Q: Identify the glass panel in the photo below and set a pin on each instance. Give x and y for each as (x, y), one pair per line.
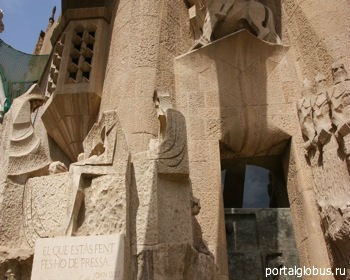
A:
(256, 183)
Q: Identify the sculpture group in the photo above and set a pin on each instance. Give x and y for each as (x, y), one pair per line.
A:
(326, 111)
(324, 117)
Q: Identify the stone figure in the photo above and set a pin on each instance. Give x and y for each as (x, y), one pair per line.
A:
(26, 153)
(26, 160)
(340, 106)
(332, 181)
(170, 149)
(196, 13)
(225, 17)
(99, 159)
(9, 275)
(1, 23)
(195, 206)
(304, 107)
(321, 112)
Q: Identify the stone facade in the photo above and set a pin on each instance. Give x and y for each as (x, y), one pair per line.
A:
(146, 119)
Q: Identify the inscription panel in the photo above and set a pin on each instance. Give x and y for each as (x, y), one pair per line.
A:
(79, 258)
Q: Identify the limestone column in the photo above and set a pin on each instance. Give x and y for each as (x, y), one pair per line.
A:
(146, 36)
(318, 31)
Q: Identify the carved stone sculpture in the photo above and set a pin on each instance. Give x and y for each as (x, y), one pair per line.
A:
(167, 155)
(26, 161)
(340, 105)
(170, 149)
(99, 161)
(321, 115)
(26, 154)
(332, 181)
(225, 17)
(305, 113)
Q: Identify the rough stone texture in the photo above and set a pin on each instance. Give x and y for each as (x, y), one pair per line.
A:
(103, 156)
(181, 261)
(146, 37)
(24, 149)
(212, 20)
(214, 92)
(315, 43)
(305, 115)
(11, 230)
(327, 156)
(44, 198)
(104, 210)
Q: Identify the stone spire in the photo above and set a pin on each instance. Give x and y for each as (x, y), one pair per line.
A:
(39, 49)
(1, 23)
(52, 17)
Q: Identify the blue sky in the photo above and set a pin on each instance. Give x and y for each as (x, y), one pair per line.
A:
(23, 20)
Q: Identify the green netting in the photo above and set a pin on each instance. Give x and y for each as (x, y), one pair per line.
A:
(18, 72)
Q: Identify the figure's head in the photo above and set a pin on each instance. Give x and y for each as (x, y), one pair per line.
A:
(161, 101)
(307, 88)
(195, 206)
(339, 73)
(320, 80)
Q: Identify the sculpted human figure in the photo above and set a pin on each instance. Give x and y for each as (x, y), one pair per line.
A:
(227, 16)
(305, 112)
(26, 153)
(321, 112)
(170, 149)
(340, 99)
(340, 105)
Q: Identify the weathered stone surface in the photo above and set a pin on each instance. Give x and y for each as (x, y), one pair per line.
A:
(305, 114)
(340, 107)
(11, 216)
(88, 257)
(44, 198)
(105, 207)
(106, 154)
(25, 151)
(124, 66)
(328, 161)
(181, 261)
(212, 20)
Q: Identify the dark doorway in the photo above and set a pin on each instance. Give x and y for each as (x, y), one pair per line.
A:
(259, 230)
(257, 182)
